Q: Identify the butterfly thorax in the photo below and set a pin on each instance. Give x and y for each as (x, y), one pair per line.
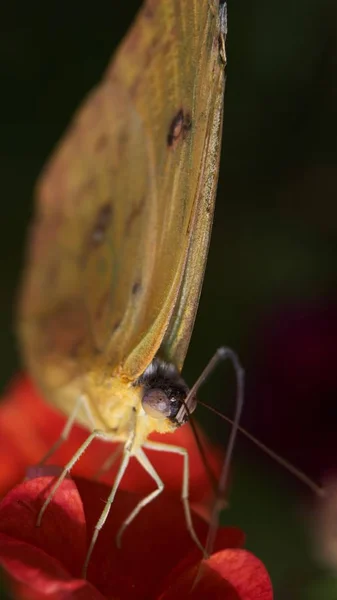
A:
(154, 402)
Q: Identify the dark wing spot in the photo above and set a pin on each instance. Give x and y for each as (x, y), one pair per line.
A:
(175, 128)
(136, 288)
(180, 125)
(101, 225)
(116, 326)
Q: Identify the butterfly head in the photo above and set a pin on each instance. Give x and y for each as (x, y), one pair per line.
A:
(165, 393)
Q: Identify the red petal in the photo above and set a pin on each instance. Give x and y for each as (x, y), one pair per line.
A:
(41, 575)
(227, 575)
(211, 585)
(62, 533)
(158, 537)
(245, 572)
(152, 545)
(227, 537)
(28, 428)
(155, 542)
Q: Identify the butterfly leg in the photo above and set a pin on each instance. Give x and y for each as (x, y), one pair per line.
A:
(106, 510)
(185, 492)
(148, 467)
(95, 434)
(80, 403)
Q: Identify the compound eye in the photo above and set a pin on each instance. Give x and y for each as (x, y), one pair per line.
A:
(156, 404)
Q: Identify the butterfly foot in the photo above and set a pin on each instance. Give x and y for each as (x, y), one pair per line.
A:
(39, 517)
(119, 538)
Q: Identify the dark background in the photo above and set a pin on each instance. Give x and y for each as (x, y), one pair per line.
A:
(270, 287)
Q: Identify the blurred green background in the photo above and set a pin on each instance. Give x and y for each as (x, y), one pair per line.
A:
(274, 242)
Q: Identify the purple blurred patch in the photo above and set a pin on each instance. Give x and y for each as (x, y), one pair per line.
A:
(43, 471)
(291, 399)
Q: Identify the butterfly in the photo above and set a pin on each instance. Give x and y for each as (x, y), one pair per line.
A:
(119, 243)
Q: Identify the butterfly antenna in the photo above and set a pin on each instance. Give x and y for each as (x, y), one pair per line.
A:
(201, 449)
(300, 475)
(221, 354)
(224, 354)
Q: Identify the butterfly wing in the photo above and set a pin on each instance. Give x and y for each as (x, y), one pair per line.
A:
(124, 208)
(177, 338)
(188, 78)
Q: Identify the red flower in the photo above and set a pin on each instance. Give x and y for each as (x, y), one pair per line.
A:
(157, 559)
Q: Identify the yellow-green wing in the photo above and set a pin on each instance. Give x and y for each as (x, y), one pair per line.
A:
(188, 79)
(178, 335)
(123, 203)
